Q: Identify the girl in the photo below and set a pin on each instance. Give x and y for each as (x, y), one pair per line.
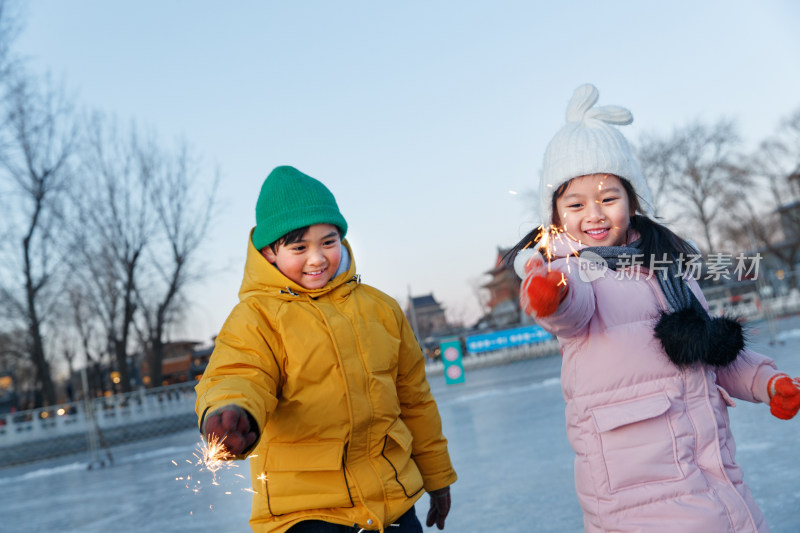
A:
(646, 374)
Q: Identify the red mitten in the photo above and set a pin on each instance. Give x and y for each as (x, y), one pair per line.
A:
(541, 293)
(784, 396)
(231, 426)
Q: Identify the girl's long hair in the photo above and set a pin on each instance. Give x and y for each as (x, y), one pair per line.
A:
(658, 241)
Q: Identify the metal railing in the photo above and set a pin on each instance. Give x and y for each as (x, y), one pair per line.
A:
(94, 425)
(91, 424)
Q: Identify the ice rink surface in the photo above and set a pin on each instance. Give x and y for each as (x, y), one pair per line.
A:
(507, 440)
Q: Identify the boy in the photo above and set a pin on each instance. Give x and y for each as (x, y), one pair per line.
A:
(321, 381)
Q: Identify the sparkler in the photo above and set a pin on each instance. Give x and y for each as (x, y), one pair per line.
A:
(530, 265)
(213, 456)
(547, 240)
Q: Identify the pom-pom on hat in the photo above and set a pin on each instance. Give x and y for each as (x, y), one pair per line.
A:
(589, 143)
(290, 200)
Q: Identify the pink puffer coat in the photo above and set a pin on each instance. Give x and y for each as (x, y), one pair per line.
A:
(654, 449)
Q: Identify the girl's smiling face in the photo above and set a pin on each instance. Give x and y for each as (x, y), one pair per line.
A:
(595, 210)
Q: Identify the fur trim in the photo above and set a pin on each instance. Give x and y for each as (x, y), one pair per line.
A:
(683, 335)
(727, 340)
(690, 336)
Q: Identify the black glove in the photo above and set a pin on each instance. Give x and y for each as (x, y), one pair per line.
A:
(234, 426)
(440, 506)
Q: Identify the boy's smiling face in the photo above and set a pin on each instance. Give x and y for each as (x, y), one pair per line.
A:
(312, 261)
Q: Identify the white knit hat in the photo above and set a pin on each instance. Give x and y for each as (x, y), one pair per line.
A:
(589, 144)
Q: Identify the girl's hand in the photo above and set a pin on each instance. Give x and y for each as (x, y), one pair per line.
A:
(541, 291)
(528, 261)
(784, 395)
(541, 294)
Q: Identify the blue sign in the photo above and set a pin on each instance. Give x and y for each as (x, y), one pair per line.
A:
(497, 340)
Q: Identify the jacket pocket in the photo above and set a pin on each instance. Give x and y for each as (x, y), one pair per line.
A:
(307, 475)
(397, 453)
(637, 442)
(726, 397)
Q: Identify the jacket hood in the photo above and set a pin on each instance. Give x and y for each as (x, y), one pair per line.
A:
(262, 276)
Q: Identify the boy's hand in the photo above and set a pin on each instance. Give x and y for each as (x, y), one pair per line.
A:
(784, 396)
(541, 291)
(440, 506)
(231, 423)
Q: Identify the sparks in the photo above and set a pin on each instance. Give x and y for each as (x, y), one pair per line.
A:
(548, 239)
(214, 455)
(210, 456)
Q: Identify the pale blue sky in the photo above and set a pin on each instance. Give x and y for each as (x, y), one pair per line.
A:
(420, 116)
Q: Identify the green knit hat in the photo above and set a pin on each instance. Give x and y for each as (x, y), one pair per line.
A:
(290, 200)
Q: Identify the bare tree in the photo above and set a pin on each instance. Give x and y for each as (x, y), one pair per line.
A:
(39, 140)
(699, 171)
(775, 221)
(85, 318)
(656, 156)
(9, 29)
(184, 213)
(117, 225)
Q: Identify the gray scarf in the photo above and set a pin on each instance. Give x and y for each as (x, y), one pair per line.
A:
(676, 290)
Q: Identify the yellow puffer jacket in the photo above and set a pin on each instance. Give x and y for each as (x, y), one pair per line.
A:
(335, 379)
